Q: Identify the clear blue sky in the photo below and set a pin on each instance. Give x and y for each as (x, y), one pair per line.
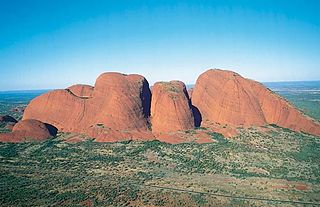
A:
(56, 43)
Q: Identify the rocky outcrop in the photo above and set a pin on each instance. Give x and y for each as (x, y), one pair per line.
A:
(121, 102)
(81, 90)
(278, 111)
(119, 107)
(59, 108)
(170, 107)
(225, 97)
(29, 130)
(118, 102)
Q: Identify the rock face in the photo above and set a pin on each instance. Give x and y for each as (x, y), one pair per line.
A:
(118, 102)
(119, 107)
(29, 130)
(225, 97)
(60, 108)
(170, 107)
(80, 90)
(121, 102)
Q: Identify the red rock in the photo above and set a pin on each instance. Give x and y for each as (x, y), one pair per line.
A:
(81, 90)
(59, 108)
(119, 102)
(29, 130)
(117, 108)
(170, 107)
(171, 138)
(225, 97)
(278, 111)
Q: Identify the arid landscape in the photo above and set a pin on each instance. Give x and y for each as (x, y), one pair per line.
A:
(264, 165)
(159, 103)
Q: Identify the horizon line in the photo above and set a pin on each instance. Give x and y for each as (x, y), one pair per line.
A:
(187, 84)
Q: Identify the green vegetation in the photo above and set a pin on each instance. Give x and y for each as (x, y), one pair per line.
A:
(274, 165)
(263, 165)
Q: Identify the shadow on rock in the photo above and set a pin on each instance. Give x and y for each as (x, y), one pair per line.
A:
(52, 129)
(197, 116)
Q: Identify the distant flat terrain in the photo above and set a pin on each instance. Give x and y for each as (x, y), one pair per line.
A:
(305, 95)
(13, 102)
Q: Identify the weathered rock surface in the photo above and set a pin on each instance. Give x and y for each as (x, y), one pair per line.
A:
(81, 90)
(225, 97)
(170, 107)
(59, 108)
(118, 102)
(118, 108)
(29, 130)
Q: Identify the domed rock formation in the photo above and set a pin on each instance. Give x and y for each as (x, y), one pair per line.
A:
(225, 97)
(278, 111)
(119, 102)
(29, 130)
(61, 108)
(81, 90)
(170, 107)
(118, 108)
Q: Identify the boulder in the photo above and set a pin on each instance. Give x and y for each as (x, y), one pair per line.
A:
(29, 130)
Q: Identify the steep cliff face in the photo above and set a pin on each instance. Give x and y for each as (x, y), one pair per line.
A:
(170, 107)
(225, 97)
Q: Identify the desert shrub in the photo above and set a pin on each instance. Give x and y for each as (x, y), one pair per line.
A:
(218, 137)
(8, 150)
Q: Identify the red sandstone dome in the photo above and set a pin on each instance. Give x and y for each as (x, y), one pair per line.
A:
(225, 97)
(118, 102)
(170, 107)
(118, 107)
(29, 130)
